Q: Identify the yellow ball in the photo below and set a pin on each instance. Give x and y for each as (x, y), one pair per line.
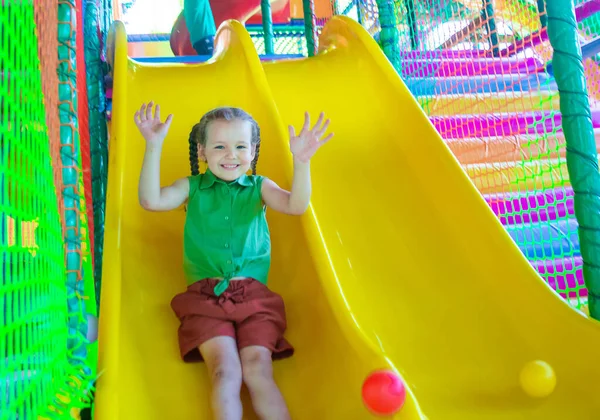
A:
(538, 379)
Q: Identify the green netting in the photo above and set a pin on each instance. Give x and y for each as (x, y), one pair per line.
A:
(286, 40)
(33, 318)
(97, 126)
(45, 368)
(79, 275)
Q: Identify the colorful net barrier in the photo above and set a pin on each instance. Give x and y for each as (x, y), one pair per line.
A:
(33, 328)
(482, 71)
(47, 298)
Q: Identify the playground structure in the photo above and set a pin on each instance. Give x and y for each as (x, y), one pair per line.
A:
(478, 214)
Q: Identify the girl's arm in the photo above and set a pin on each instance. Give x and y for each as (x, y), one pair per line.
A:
(294, 202)
(303, 147)
(152, 197)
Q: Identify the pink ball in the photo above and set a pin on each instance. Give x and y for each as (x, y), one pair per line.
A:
(383, 392)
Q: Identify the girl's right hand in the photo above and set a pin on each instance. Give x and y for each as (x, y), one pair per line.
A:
(153, 130)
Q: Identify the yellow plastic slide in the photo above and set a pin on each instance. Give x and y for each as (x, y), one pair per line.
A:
(398, 264)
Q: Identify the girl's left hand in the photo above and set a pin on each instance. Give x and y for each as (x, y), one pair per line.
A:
(305, 144)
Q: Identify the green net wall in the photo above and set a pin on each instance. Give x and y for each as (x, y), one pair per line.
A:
(81, 306)
(95, 72)
(45, 366)
(286, 40)
(33, 328)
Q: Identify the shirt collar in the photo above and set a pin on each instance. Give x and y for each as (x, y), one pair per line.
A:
(209, 179)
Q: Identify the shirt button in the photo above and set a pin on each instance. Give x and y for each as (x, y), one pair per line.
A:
(226, 217)
(228, 261)
(226, 245)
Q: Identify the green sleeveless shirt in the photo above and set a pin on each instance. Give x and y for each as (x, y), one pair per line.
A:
(226, 233)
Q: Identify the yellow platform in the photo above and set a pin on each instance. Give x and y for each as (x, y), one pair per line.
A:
(398, 264)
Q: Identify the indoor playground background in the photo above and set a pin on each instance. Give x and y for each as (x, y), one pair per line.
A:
(482, 72)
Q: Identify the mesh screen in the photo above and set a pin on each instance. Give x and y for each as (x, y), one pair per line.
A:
(33, 315)
(45, 368)
(286, 41)
(478, 69)
(97, 171)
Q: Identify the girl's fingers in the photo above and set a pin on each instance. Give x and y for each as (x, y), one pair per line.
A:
(292, 131)
(323, 129)
(319, 122)
(136, 117)
(168, 120)
(157, 113)
(149, 110)
(143, 112)
(306, 122)
(326, 139)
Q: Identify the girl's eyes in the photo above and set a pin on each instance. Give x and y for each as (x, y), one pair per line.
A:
(222, 147)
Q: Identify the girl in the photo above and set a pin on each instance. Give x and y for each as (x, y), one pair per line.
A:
(229, 318)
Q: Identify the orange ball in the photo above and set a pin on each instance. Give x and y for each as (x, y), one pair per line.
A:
(383, 392)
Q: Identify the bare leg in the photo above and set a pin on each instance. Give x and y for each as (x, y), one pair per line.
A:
(257, 371)
(223, 362)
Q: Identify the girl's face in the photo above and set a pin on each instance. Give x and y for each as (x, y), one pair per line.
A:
(228, 150)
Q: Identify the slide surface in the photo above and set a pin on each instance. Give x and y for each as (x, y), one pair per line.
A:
(399, 262)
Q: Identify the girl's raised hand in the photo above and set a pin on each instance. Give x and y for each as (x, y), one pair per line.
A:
(305, 144)
(153, 130)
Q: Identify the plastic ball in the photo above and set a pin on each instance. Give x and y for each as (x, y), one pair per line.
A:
(537, 379)
(383, 392)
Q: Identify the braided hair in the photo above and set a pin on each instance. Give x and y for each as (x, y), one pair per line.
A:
(199, 133)
(194, 161)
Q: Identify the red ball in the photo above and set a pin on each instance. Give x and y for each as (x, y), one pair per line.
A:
(383, 392)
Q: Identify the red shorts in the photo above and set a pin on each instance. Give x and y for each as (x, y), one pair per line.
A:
(248, 311)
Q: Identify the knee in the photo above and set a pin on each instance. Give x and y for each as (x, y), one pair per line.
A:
(226, 373)
(257, 367)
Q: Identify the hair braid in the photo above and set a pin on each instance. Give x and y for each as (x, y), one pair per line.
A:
(257, 148)
(194, 163)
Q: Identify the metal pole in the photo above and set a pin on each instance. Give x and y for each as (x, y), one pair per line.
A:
(541, 5)
(310, 26)
(389, 38)
(359, 16)
(489, 21)
(335, 7)
(412, 24)
(582, 158)
(267, 23)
